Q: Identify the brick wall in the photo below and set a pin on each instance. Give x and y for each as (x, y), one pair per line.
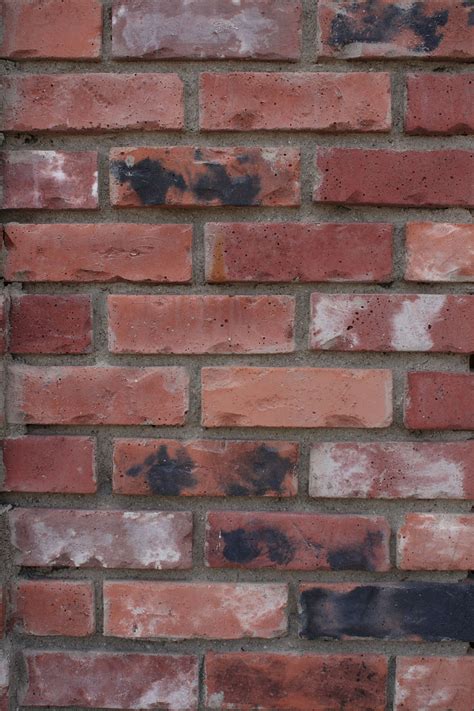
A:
(238, 464)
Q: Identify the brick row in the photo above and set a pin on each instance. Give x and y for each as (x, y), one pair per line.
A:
(251, 29)
(299, 682)
(191, 176)
(325, 101)
(237, 397)
(243, 324)
(217, 467)
(265, 252)
(239, 539)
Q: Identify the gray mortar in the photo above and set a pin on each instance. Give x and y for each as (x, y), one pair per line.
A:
(308, 212)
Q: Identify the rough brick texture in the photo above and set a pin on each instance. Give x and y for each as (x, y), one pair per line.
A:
(430, 178)
(98, 253)
(439, 252)
(92, 102)
(286, 252)
(309, 682)
(201, 324)
(437, 683)
(189, 176)
(52, 180)
(101, 539)
(296, 397)
(50, 324)
(186, 610)
(56, 465)
(205, 467)
(296, 541)
(452, 97)
(51, 29)
(237, 355)
(54, 607)
(111, 680)
(320, 102)
(206, 29)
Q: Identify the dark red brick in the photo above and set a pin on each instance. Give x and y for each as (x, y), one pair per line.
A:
(439, 401)
(50, 324)
(440, 104)
(295, 682)
(301, 252)
(55, 465)
(54, 607)
(430, 178)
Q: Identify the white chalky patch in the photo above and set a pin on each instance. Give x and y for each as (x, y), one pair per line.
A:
(331, 317)
(410, 324)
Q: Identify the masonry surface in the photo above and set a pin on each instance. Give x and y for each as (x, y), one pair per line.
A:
(237, 337)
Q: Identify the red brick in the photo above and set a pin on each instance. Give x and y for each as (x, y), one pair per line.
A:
(294, 682)
(388, 29)
(54, 607)
(439, 252)
(434, 178)
(50, 324)
(204, 29)
(436, 542)
(51, 29)
(201, 324)
(284, 541)
(3, 322)
(205, 467)
(302, 252)
(392, 470)
(190, 176)
(295, 101)
(150, 540)
(150, 609)
(4, 681)
(451, 94)
(435, 683)
(296, 397)
(54, 465)
(439, 401)
(392, 322)
(3, 610)
(98, 253)
(111, 680)
(70, 103)
(416, 611)
(52, 180)
(95, 395)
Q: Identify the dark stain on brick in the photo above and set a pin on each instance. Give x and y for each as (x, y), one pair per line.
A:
(243, 546)
(151, 182)
(166, 476)
(148, 179)
(371, 21)
(216, 184)
(469, 4)
(419, 610)
(261, 471)
(361, 557)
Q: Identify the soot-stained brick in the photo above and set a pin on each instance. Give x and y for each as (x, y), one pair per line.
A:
(357, 557)
(470, 6)
(372, 21)
(151, 182)
(148, 179)
(166, 475)
(418, 611)
(216, 184)
(260, 471)
(242, 546)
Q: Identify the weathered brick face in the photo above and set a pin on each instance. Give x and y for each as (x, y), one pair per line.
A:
(237, 355)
